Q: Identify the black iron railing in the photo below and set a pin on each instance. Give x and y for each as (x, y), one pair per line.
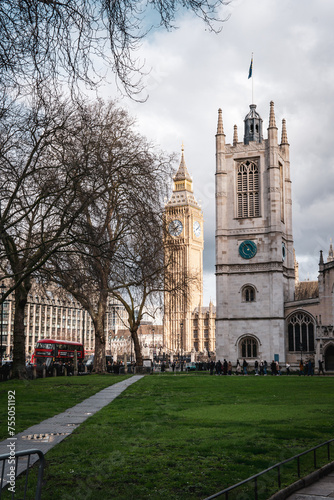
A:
(12, 466)
(278, 466)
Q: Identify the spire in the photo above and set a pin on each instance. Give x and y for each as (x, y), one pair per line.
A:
(284, 139)
(182, 173)
(296, 268)
(235, 136)
(220, 128)
(321, 259)
(272, 122)
(183, 187)
(330, 257)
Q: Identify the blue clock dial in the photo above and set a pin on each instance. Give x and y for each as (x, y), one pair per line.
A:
(247, 249)
(175, 228)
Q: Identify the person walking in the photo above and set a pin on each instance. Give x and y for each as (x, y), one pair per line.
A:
(244, 365)
(301, 367)
(256, 367)
(287, 369)
(321, 367)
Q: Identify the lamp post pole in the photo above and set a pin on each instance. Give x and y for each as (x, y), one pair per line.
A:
(153, 344)
(2, 294)
(181, 326)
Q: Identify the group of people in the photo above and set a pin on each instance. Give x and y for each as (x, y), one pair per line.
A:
(262, 368)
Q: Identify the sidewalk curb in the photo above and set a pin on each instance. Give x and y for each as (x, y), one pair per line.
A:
(304, 482)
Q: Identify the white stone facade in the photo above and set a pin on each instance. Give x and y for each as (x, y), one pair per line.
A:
(254, 244)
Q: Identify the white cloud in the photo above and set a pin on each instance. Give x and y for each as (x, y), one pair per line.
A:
(194, 72)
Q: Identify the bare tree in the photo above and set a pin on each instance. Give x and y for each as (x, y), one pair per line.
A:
(126, 207)
(49, 39)
(41, 196)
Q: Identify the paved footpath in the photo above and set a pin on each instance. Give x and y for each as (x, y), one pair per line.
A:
(320, 490)
(52, 431)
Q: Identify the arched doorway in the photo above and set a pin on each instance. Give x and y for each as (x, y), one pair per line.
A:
(329, 358)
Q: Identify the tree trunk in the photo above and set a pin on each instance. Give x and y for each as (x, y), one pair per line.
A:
(100, 341)
(19, 355)
(138, 353)
(100, 353)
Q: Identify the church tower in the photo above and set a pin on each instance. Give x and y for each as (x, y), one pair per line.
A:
(184, 252)
(254, 245)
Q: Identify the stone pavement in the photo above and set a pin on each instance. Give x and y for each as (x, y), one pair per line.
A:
(320, 490)
(52, 431)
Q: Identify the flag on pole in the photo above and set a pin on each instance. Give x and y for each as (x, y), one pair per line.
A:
(250, 73)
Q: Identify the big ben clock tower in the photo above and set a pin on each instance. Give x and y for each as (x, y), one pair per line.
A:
(184, 255)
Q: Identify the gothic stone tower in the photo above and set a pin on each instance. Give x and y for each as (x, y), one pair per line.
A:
(254, 244)
(184, 249)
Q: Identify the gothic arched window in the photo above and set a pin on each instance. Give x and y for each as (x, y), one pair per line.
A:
(248, 294)
(248, 204)
(248, 348)
(301, 332)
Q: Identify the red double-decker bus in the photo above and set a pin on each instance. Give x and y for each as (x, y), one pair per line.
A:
(49, 350)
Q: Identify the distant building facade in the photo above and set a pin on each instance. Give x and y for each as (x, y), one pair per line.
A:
(55, 315)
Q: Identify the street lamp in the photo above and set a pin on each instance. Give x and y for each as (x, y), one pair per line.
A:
(181, 325)
(3, 287)
(153, 344)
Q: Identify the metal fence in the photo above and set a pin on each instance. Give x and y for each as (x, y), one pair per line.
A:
(278, 466)
(14, 464)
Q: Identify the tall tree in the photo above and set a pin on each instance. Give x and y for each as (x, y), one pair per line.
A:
(126, 208)
(49, 39)
(41, 196)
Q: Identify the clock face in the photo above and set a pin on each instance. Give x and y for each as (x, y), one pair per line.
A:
(175, 228)
(197, 229)
(247, 249)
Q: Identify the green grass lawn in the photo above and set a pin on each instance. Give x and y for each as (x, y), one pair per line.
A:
(39, 399)
(188, 436)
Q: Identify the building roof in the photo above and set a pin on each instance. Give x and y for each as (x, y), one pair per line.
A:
(183, 191)
(307, 290)
(205, 309)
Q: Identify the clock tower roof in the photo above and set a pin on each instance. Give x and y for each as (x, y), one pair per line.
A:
(183, 187)
(182, 173)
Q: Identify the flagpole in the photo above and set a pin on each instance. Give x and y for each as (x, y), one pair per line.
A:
(252, 81)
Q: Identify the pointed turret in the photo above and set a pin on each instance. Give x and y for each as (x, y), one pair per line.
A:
(220, 143)
(330, 257)
(220, 128)
(272, 129)
(321, 261)
(235, 136)
(296, 266)
(272, 121)
(253, 126)
(284, 140)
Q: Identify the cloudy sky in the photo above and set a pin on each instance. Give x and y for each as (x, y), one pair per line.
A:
(194, 72)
